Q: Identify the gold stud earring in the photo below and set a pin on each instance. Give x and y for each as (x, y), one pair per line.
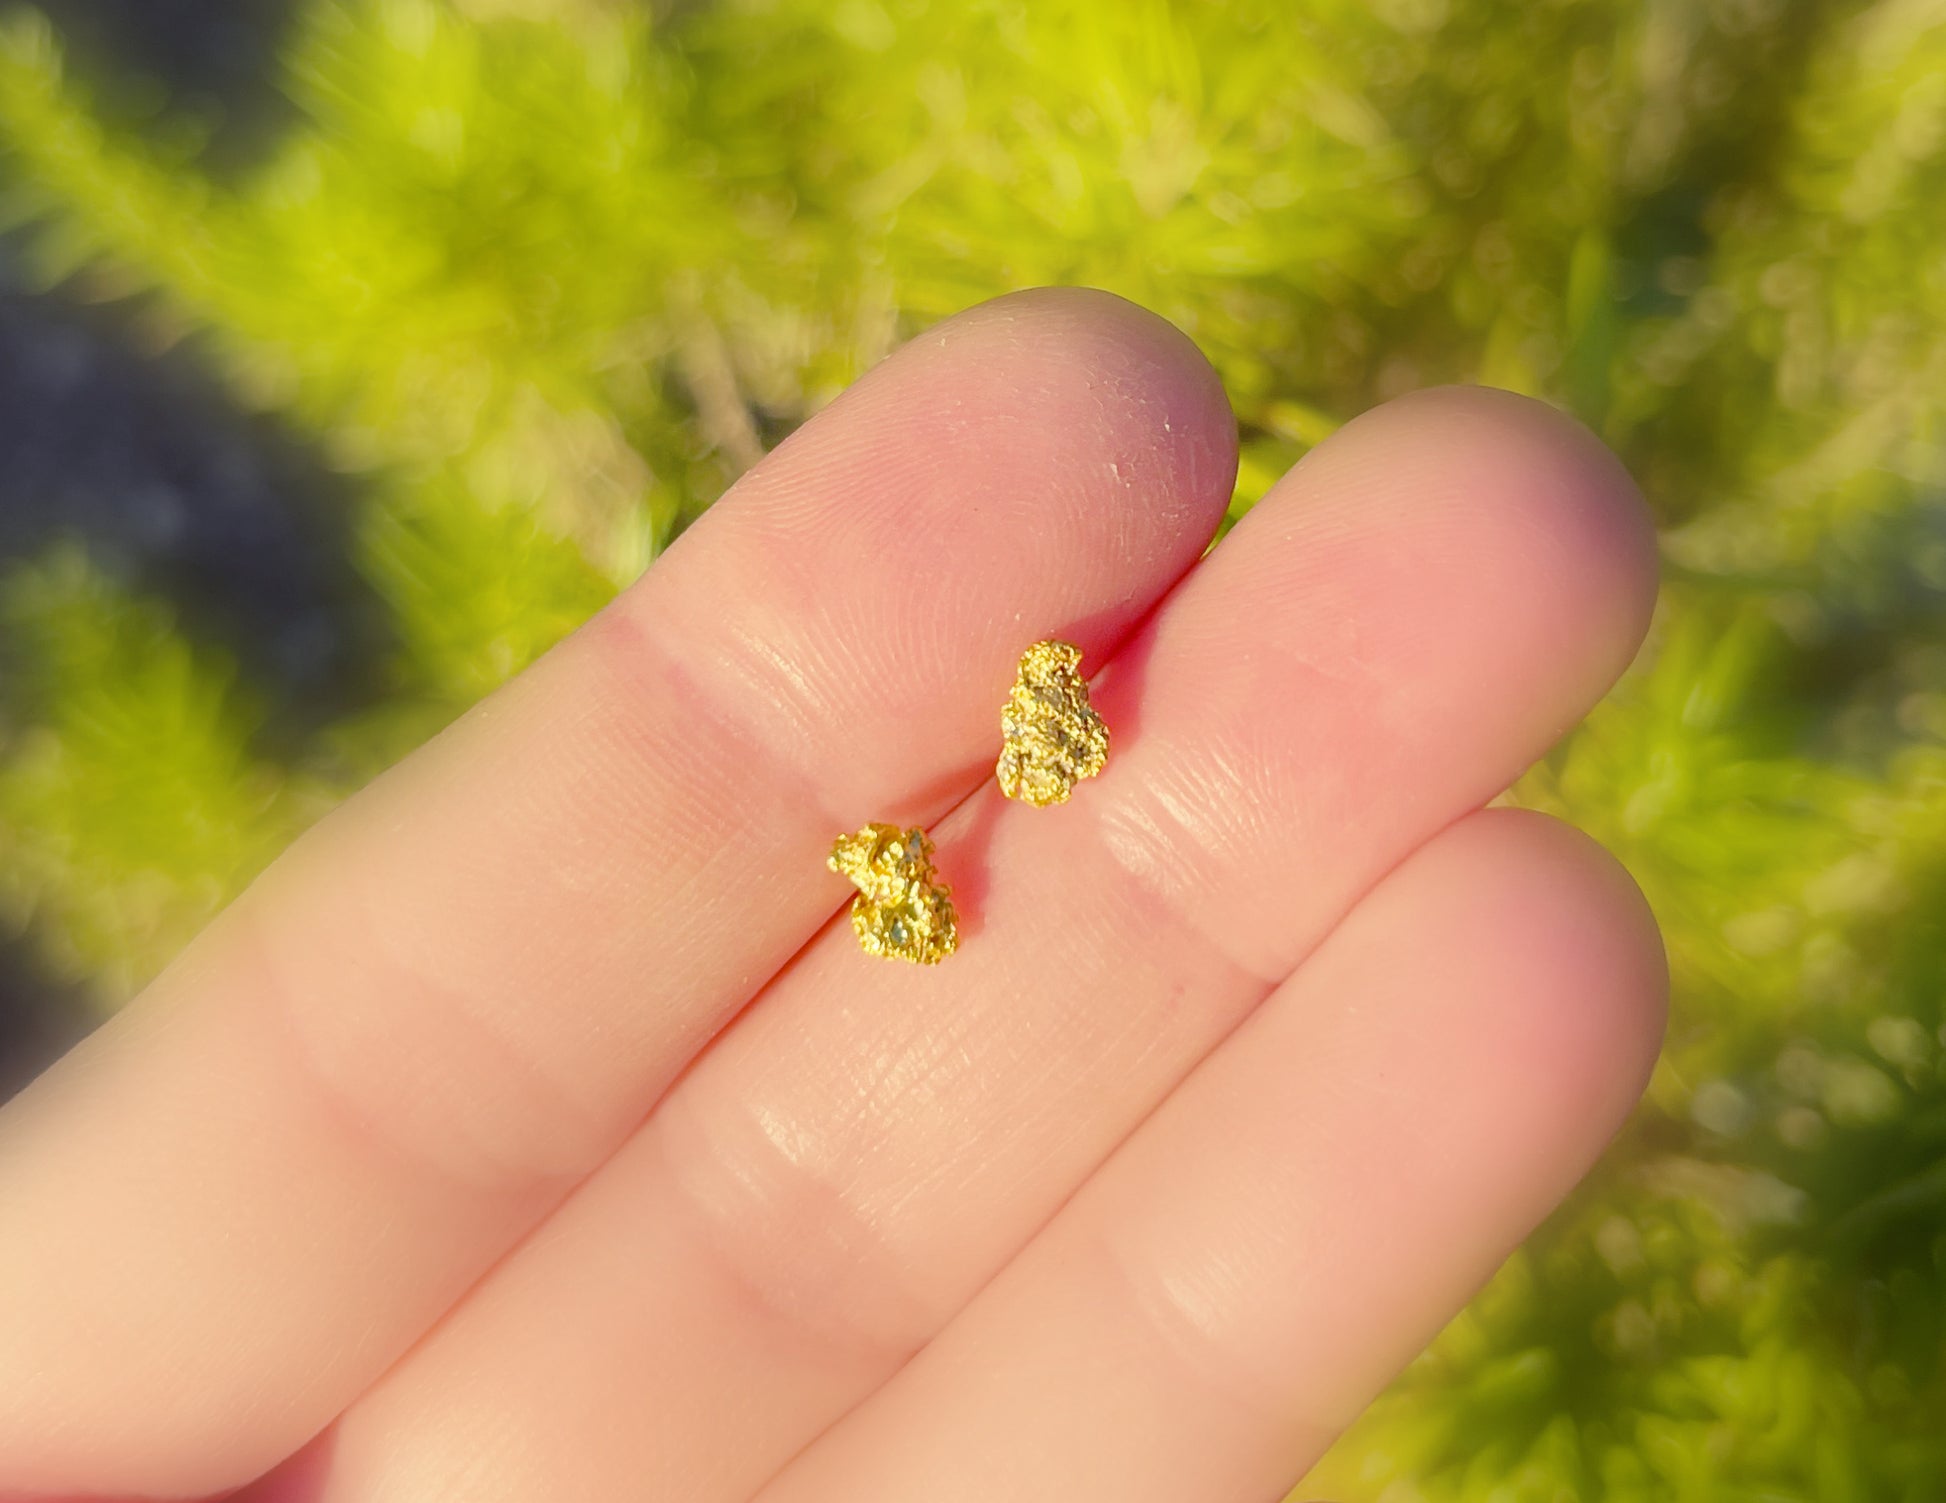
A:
(1050, 736)
(902, 911)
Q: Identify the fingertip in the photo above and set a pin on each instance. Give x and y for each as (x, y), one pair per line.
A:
(1540, 518)
(1125, 383)
(1576, 491)
(1583, 999)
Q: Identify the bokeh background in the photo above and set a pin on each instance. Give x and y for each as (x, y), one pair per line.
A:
(352, 351)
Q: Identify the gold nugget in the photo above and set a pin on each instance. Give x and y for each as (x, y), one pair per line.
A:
(1051, 737)
(902, 909)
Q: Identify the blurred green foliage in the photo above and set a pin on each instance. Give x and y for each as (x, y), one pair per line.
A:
(544, 275)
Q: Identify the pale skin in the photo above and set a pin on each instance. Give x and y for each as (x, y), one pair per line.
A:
(534, 1130)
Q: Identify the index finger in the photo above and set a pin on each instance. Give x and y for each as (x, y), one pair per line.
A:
(239, 1201)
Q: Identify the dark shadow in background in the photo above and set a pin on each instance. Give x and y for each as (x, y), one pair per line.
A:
(38, 1018)
(144, 460)
(215, 59)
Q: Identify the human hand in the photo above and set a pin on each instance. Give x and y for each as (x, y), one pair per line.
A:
(538, 1114)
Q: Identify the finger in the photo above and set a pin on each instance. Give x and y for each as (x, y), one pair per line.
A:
(1305, 1211)
(1412, 616)
(234, 1206)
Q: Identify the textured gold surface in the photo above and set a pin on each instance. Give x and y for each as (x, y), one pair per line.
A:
(1051, 737)
(902, 911)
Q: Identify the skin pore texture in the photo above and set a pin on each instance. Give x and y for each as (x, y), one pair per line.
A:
(535, 1129)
